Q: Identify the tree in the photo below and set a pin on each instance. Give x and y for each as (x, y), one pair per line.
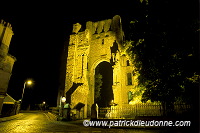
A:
(166, 59)
(98, 84)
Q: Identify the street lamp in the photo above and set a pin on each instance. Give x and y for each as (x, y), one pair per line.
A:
(62, 102)
(43, 105)
(63, 99)
(29, 82)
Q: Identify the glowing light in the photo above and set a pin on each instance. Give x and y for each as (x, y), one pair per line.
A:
(29, 82)
(63, 99)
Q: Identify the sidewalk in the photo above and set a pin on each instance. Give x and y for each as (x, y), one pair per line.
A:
(8, 118)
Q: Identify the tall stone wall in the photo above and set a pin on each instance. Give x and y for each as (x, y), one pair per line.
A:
(6, 60)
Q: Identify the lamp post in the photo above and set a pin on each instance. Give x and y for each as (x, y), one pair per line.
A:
(63, 99)
(62, 106)
(29, 82)
(43, 106)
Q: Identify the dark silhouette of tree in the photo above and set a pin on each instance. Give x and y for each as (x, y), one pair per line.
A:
(167, 58)
(98, 85)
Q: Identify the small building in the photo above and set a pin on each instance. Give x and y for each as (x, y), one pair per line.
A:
(10, 106)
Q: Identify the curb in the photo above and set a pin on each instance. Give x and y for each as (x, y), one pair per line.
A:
(3, 119)
(52, 116)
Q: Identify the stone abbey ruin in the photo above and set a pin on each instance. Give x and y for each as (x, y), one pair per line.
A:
(101, 42)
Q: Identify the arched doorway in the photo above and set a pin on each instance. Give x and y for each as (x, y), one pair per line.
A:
(103, 93)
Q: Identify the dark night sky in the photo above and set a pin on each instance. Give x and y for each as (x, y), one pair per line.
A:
(40, 31)
(38, 41)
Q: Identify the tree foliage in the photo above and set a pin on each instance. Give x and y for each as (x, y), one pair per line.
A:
(98, 84)
(166, 58)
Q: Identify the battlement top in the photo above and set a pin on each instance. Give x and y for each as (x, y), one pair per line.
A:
(6, 24)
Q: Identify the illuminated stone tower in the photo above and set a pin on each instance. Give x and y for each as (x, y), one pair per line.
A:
(6, 60)
(101, 41)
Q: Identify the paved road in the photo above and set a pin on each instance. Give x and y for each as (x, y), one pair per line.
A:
(39, 122)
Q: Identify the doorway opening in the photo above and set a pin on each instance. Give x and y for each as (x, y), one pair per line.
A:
(103, 93)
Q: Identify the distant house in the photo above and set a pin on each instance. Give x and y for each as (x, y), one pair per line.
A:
(6, 60)
(10, 106)
(8, 100)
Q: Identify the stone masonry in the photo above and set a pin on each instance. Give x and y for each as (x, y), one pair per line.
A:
(6, 60)
(100, 41)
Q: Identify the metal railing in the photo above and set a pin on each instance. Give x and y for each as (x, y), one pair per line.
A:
(132, 111)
